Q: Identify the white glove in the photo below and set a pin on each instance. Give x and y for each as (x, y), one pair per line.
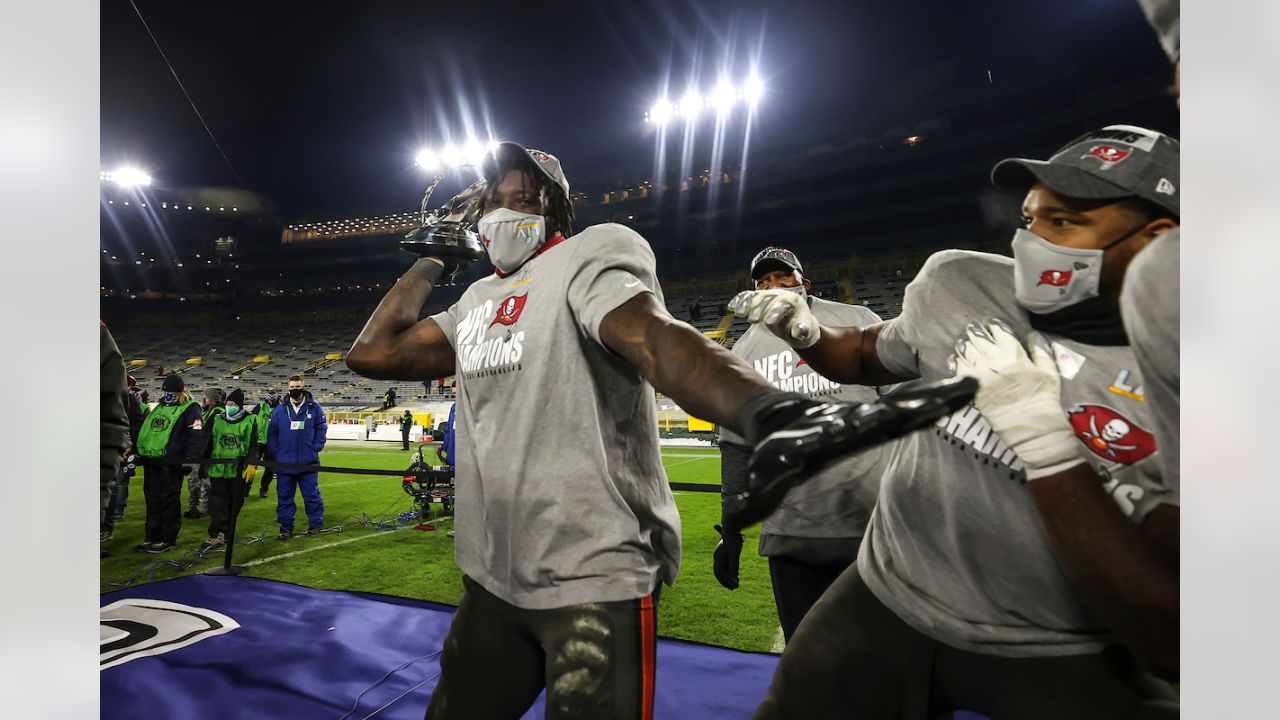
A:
(785, 313)
(1020, 396)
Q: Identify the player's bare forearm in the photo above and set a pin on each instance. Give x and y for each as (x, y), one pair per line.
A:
(702, 377)
(1126, 574)
(848, 355)
(395, 344)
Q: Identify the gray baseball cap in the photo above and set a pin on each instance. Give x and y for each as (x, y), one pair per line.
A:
(1117, 161)
(546, 162)
(773, 258)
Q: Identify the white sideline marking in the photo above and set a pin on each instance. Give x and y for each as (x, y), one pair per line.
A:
(779, 642)
(684, 462)
(303, 551)
(689, 454)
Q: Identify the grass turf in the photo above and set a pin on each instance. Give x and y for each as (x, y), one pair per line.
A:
(419, 564)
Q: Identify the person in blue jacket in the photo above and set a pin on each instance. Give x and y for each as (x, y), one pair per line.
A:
(296, 434)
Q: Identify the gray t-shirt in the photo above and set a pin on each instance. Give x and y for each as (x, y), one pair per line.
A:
(956, 547)
(561, 495)
(1151, 311)
(837, 502)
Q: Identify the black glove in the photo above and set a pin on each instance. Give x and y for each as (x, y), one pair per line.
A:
(724, 561)
(794, 437)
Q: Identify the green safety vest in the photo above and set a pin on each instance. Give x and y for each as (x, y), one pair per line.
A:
(264, 420)
(157, 428)
(231, 440)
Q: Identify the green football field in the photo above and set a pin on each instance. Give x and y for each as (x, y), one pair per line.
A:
(367, 556)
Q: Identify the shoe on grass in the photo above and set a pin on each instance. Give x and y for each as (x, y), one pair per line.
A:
(142, 546)
(285, 534)
(159, 547)
(214, 541)
(104, 536)
(313, 531)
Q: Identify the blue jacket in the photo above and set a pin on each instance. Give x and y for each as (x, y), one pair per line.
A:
(297, 447)
(450, 437)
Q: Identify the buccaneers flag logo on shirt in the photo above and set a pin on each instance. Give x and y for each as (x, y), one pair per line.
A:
(1056, 278)
(1110, 435)
(509, 310)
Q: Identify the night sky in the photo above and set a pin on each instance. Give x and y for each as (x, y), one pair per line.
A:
(323, 105)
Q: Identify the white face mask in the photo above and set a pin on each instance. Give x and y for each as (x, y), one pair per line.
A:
(798, 289)
(511, 237)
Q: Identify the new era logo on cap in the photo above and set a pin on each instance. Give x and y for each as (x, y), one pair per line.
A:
(1165, 187)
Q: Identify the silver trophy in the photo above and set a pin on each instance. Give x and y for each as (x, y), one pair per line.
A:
(448, 233)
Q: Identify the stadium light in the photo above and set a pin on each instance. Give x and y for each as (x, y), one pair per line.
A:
(723, 97)
(451, 156)
(428, 160)
(125, 177)
(661, 112)
(690, 104)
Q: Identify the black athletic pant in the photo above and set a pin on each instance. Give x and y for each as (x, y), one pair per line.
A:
(162, 488)
(267, 474)
(224, 499)
(854, 658)
(797, 586)
(595, 660)
(405, 437)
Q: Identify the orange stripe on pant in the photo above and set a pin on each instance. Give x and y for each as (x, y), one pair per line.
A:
(648, 641)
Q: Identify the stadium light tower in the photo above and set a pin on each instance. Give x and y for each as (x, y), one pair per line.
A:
(127, 176)
(723, 97)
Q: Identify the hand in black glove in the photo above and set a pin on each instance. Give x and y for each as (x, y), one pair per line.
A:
(794, 437)
(724, 561)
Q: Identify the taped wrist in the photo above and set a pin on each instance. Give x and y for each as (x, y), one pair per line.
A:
(766, 409)
(429, 268)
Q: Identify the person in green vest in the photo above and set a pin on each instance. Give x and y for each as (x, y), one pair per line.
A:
(172, 434)
(233, 434)
(198, 481)
(264, 410)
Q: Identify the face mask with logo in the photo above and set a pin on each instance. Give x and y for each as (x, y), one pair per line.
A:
(1050, 277)
(511, 237)
(233, 411)
(168, 398)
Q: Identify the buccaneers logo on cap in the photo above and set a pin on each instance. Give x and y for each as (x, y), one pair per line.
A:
(509, 311)
(1108, 154)
(1056, 278)
(1110, 435)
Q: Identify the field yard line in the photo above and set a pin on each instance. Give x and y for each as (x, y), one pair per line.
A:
(779, 642)
(319, 547)
(685, 462)
(689, 454)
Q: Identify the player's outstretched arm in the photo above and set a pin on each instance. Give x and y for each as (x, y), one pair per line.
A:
(702, 377)
(843, 354)
(1126, 573)
(395, 344)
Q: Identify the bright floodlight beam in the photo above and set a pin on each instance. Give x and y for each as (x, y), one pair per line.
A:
(428, 160)
(661, 112)
(753, 90)
(473, 153)
(127, 177)
(451, 156)
(691, 104)
(723, 97)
